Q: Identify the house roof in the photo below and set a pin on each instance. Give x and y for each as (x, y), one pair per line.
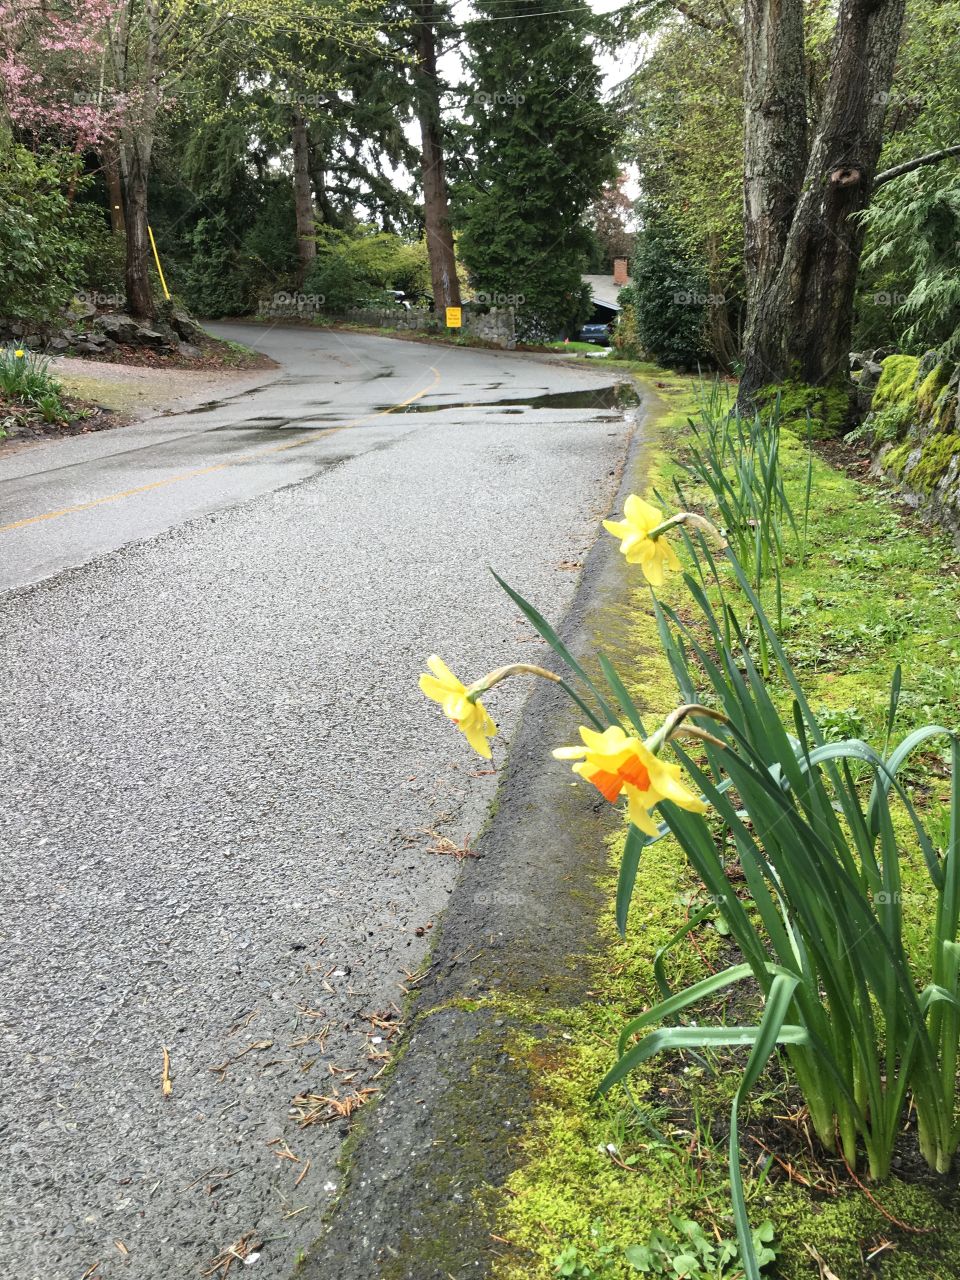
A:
(604, 290)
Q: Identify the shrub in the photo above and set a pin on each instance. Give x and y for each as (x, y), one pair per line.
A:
(338, 281)
(668, 298)
(217, 281)
(42, 233)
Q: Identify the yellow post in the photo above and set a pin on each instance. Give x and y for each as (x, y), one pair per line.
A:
(156, 258)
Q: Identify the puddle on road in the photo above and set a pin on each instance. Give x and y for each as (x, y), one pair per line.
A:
(620, 395)
(617, 396)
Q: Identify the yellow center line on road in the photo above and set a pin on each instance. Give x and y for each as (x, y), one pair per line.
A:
(219, 466)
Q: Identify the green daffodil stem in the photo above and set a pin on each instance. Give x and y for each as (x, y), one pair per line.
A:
(695, 522)
(671, 727)
(502, 673)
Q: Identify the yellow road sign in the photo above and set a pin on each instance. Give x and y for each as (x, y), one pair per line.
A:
(454, 317)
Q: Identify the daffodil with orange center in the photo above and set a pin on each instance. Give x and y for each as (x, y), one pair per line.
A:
(653, 555)
(469, 715)
(617, 763)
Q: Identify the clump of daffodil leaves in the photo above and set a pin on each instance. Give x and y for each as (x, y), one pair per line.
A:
(819, 925)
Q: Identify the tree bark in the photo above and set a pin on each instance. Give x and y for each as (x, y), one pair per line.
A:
(804, 259)
(302, 192)
(436, 198)
(111, 171)
(135, 152)
(137, 274)
(774, 138)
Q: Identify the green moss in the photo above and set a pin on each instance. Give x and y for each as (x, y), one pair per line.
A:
(897, 382)
(937, 452)
(826, 409)
(896, 460)
(930, 389)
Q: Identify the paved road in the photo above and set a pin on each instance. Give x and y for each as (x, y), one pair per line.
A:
(225, 805)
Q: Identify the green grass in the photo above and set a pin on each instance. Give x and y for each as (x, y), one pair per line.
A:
(876, 590)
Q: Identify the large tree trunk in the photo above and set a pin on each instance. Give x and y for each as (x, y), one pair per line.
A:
(111, 170)
(803, 265)
(137, 275)
(775, 131)
(303, 193)
(436, 200)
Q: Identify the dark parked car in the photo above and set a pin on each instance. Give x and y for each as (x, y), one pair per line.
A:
(598, 333)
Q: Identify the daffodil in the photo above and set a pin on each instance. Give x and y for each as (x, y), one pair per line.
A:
(19, 353)
(617, 763)
(469, 715)
(653, 555)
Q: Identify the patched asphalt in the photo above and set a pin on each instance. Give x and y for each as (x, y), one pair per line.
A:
(227, 810)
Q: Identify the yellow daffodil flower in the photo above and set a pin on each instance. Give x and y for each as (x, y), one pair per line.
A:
(619, 764)
(19, 353)
(653, 555)
(470, 717)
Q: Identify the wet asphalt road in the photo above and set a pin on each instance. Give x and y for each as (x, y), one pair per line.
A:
(226, 810)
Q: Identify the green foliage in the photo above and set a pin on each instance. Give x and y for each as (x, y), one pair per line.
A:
(587, 1265)
(25, 379)
(338, 282)
(215, 283)
(26, 376)
(668, 299)
(737, 462)
(909, 295)
(684, 117)
(44, 236)
(690, 1254)
(543, 143)
(882, 427)
(914, 228)
(814, 900)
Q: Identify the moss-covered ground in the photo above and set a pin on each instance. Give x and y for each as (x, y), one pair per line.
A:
(875, 590)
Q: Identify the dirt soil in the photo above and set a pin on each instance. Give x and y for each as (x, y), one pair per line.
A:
(133, 389)
(119, 394)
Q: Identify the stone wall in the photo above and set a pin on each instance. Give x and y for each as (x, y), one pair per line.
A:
(496, 326)
(913, 429)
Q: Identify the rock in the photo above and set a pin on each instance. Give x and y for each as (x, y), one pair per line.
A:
(189, 350)
(856, 361)
(879, 355)
(184, 325)
(118, 327)
(150, 338)
(928, 362)
(870, 374)
(58, 344)
(81, 309)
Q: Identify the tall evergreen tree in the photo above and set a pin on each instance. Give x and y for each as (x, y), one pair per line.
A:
(542, 152)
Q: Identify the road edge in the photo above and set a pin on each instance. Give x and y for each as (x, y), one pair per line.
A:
(422, 1168)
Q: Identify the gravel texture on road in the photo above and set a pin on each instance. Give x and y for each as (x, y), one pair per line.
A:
(226, 824)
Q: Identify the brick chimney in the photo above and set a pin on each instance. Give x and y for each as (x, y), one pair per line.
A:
(620, 274)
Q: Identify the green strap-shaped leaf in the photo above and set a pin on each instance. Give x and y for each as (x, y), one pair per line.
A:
(772, 1031)
(635, 844)
(557, 645)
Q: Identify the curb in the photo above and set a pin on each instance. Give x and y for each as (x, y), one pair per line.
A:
(419, 1196)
